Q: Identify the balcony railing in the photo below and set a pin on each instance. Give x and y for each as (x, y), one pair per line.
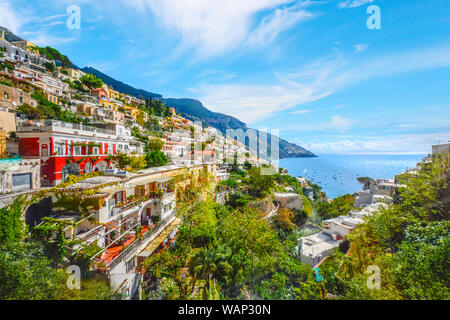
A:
(137, 202)
(45, 125)
(130, 249)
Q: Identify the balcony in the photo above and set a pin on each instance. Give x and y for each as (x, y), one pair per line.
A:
(129, 206)
(110, 257)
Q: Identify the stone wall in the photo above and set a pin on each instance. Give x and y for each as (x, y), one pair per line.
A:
(10, 167)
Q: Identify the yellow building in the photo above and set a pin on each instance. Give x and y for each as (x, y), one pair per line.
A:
(113, 106)
(132, 111)
(24, 44)
(74, 73)
(3, 152)
(7, 124)
(113, 94)
(7, 120)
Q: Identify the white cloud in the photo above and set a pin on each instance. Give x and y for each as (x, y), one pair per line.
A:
(353, 3)
(360, 47)
(9, 18)
(336, 124)
(41, 38)
(210, 26)
(279, 21)
(341, 124)
(254, 102)
(301, 112)
(251, 103)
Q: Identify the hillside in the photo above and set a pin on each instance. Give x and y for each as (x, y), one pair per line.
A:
(9, 36)
(189, 108)
(194, 110)
(120, 86)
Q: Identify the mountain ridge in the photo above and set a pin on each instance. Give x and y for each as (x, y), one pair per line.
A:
(120, 86)
(193, 110)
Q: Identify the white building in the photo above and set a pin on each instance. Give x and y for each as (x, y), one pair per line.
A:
(289, 200)
(376, 190)
(440, 148)
(17, 54)
(315, 248)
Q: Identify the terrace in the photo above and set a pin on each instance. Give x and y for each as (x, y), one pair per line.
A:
(129, 243)
(65, 127)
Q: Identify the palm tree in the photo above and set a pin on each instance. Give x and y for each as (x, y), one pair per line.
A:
(203, 265)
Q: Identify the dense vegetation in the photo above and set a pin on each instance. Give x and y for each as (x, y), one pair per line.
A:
(53, 54)
(26, 270)
(230, 251)
(48, 110)
(409, 242)
(340, 206)
(120, 86)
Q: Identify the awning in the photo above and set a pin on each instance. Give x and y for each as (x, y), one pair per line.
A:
(147, 180)
(155, 243)
(141, 181)
(165, 179)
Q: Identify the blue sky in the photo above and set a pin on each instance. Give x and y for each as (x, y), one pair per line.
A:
(311, 69)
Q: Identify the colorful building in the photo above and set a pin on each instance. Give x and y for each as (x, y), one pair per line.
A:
(113, 106)
(100, 93)
(74, 73)
(67, 148)
(12, 98)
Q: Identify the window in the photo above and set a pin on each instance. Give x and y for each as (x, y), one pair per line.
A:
(6, 96)
(44, 150)
(95, 151)
(21, 100)
(131, 265)
(21, 182)
(61, 150)
(77, 151)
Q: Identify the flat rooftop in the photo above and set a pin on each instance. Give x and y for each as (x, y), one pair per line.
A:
(94, 182)
(286, 195)
(317, 244)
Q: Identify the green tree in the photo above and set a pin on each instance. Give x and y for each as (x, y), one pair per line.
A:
(156, 159)
(251, 248)
(50, 66)
(122, 161)
(25, 273)
(138, 162)
(200, 223)
(259, 184)
(203, 265)
(12, 227)
(341, 206)
(91, 81)
(424, 262)
(155, 144)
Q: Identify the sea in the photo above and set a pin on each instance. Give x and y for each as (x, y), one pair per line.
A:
(337, 174)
